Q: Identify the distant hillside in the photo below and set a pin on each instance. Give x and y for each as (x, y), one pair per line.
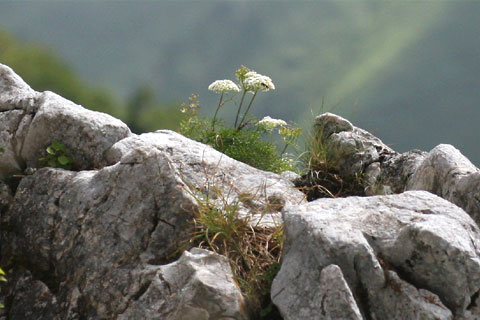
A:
(405, 71)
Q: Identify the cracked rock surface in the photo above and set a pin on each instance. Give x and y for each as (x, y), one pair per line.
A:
(356, 154)
(387, 247)
(93, 232)
(101, 243)
(32, 120)
(259, 194)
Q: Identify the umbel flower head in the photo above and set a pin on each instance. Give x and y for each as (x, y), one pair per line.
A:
(222, 86)
(254, 81)
(269, 123)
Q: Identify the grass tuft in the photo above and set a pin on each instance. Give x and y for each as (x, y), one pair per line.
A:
(252, 248)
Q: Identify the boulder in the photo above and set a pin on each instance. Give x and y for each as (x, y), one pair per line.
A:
(259, 195)
(450, 175)
(107, 224)
(407, 256)
(31, 121)
(335, 298)
(118, 224)
(198, 286)
(359, 156)
(30, 298)
(15, 93)
(122, 221)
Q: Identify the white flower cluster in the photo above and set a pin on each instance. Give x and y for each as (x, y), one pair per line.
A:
(222, 86)
(255, 81)
(269, 124)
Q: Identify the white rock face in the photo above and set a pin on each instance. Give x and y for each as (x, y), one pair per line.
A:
(86, 134)
(15, 93)
(260, 194)
(444, 171)
(198, 286)
(450, 175)
(358, 155)
(336, 300)
(99, 243)
(32, 120)
(427, 241)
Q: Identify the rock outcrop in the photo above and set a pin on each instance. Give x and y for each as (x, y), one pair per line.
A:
(32, 120)
(407, 256)
(109, 240)
(97, 243)
(444, 171)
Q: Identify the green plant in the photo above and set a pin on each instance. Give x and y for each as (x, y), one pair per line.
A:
(320, 178)
(2, 279)
(57, 156)
(248, 140)
(253, 249)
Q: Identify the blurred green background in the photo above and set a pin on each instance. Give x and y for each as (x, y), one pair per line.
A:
(407, 71)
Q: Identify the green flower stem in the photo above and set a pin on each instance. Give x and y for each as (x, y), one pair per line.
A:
(216, 111)
(240, 107)
(246, 112)
(284, 149)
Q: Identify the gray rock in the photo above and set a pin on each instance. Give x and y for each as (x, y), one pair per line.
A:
(359, 157)
(91, 231)
(86, 134)
(336, 300)
(260, 195)
(429, 242)
(324, 295)
(199, 286)
(6, 197)
(32, 299)
(30, 121)
(14, 124)
(450, 175)
(400, 300)
(15, 93)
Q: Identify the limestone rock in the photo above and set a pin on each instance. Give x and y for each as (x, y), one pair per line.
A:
(259, 194)
(336, 300)
(86, 134)
(400, 300)
(350, 149)
(6, 197)
(32, 299)
(450, 175)
(427, 241)
(15, 93)
(93, 230)
(30, 121)
(357, 155)
(199, 286)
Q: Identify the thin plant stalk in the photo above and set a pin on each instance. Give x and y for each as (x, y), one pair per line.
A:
(240, 107)
(284, 149)
(216, 111)
(246, 112)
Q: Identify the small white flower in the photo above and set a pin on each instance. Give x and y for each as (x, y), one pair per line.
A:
(222, 86)
(269, 124)
(255, 81)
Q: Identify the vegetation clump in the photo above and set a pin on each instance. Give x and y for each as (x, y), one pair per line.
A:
(321, 179)
(248, 140)
(57, 156)
(2, 279)
(252, 248)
